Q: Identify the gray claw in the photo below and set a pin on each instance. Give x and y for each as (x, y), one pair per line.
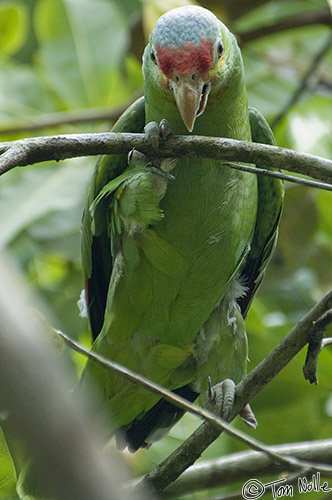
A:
(248, 417)
(151, 130)
(220, 397)
(164, 129)
(160, 166)
(220, 400)
(155, 132)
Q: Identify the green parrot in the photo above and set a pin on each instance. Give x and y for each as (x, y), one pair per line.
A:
(173, 253)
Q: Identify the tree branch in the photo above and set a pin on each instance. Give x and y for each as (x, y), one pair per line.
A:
(214, 421)
(39, 149)
(245, 465)
(326, 342)
(303, 84)
(315, 347)
(296, 339)
(296, 21)
(66, 453)
(279, 175)
(68, 117)
(174, 465)
(26, 151)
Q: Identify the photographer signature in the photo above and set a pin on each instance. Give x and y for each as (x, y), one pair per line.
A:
(254, 489)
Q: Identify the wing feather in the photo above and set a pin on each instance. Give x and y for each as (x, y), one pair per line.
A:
(270, 203)
(96, 252)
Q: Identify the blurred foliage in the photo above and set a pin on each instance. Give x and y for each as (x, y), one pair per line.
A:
(65, 55)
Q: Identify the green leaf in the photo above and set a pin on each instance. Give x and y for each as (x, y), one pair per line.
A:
(22, 94)
(13, 27)
(26, 484)
(31, 196)
(308, 126)
(7, 471)
(82, 46)
(275, 65)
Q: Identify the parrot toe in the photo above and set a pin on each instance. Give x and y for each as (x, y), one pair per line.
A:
(152, 134)
(220, 400)
(155, 133)
(164, 129)
(248, 417)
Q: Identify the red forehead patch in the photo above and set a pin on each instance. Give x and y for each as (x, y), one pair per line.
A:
(185, 58)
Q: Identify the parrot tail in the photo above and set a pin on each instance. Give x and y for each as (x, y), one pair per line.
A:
(154, 424)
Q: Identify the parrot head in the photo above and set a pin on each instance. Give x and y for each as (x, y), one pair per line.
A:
(190, 56)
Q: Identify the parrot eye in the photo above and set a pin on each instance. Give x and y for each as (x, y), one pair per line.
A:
(220, 49)
(153, 57)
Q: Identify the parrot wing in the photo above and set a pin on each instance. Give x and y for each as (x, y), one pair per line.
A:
(97, 261)
(270, 203)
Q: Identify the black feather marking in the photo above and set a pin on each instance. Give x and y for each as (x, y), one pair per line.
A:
(163, 415)
(97, 285)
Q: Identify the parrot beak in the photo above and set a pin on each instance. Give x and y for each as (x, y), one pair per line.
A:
(191, 95)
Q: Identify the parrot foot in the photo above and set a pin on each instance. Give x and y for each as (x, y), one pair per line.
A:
(220, 397)
(220, 400)
(155, 134)
(136, 158)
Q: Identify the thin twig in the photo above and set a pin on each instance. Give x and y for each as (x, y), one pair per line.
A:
(279, 175)
(296, 21)
(303, 84)
(68, 117)
(324, 321)
(136, 378)
(294, 341)
(182, 403)
(315, 347)
(172, 467)
(244, 465)
(38, 149)
(326, 342)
